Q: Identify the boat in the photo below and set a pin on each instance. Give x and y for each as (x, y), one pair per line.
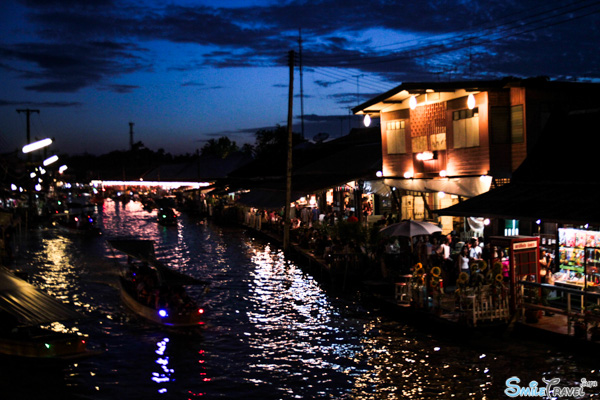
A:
(78, 219)
(154, 291)
(166, 216)
(26, 318)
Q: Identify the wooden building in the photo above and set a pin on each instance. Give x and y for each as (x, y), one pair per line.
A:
(443, 142)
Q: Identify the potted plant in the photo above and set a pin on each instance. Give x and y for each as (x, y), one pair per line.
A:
(592, 316)
(579, 325)
(532, 315)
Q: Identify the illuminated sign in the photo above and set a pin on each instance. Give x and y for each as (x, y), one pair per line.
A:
(525, 245)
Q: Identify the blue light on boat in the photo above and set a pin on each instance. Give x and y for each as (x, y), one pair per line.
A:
(163, 313)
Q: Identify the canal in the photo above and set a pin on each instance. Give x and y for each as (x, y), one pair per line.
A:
(272, 332)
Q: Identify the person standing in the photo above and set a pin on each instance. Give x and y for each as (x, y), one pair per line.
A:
(463, 260)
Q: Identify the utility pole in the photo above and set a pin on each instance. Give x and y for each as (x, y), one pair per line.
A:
(301, 81)
(28, 112)
(131, 136)
(288, 180)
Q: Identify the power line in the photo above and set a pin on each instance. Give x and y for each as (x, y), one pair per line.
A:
(457, 42)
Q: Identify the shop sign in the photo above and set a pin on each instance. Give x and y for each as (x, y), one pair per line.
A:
(525, 245)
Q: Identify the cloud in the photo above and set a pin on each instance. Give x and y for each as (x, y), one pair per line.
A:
(40, 104)
(88, 43)
(120, 88)
(69, 67)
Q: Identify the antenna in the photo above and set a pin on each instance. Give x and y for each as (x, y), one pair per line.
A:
(131, 135)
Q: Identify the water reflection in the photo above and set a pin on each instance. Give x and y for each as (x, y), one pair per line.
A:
(298, 335)
(165, 372)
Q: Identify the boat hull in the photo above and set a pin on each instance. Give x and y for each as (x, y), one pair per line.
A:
(172, 317)
(44, 346)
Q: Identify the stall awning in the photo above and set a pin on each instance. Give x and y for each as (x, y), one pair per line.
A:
(270, 199)
(29, 305)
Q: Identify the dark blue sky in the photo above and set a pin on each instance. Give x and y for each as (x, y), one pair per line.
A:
(186, 71)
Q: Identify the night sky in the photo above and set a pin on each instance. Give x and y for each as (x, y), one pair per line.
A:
(187, 71)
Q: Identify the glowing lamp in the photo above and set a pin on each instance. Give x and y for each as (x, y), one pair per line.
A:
(200, 311)
(408, 174)
(425, 156)
(28, 148)
(443, 173)
(379, 174)
(412, 102)
(163, 313)
(62, 169)
(471, 101)
(367, 120)
(50, 160)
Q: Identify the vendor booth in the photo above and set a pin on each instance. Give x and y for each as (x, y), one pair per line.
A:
(519, 256)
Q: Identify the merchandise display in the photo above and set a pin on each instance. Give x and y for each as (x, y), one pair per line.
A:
(578, 258)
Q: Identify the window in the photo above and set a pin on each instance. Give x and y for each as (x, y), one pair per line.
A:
(466, 128)
(396, 134)
(516, 122)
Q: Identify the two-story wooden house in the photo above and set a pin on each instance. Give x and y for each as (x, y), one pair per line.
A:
(446, 141)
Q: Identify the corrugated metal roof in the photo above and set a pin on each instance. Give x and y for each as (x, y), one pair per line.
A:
(28, 304)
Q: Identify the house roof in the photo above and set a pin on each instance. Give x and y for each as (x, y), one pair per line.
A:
(318, 167)
(28, 305)
(400, 94)
(205, 168)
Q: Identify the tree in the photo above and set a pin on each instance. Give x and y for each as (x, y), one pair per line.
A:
(222, 147)
(269, 141)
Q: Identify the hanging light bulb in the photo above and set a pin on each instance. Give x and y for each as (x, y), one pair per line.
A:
(471, 101)
(412, 102)
(367, 120)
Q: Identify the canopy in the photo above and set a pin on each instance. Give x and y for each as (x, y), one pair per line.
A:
(140, 249)
(144, 250)
(465, 186)
(29, 305)
(410, 229)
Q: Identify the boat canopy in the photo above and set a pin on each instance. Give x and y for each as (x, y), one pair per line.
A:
(28, 305)
(140, 249)
(143, 250)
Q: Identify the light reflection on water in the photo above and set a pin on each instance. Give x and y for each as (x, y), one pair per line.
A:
(272, 331)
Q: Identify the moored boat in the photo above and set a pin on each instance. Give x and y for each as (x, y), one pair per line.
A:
(26, 317)
(166, 216)
(154, 291)
(77, 219)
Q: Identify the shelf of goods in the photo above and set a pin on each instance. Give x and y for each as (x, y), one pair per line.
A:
(579, 258)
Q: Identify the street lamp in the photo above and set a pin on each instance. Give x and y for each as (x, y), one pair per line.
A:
(50, 160)
(28, 148)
